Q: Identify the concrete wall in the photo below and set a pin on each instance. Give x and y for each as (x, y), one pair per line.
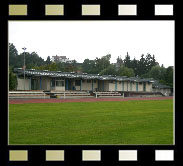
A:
(38, 83)
(88, 85)
(126, 86)
(100, 86)
(165, 92)
(119, 86)
(108, 86)
(112, 86)
(46, 83)
(60, 88)
(148, 87)
(140, 87)
(134, 86)
(20, 85)
(129, 86)
(105, 84)
(77, 87)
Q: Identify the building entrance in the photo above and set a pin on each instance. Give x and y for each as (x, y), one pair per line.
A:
(69, 84)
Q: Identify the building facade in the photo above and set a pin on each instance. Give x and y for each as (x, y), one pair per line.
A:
(164, 89)
(63, 81)
(62, 59)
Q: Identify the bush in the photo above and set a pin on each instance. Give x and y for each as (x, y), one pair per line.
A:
(12, 81)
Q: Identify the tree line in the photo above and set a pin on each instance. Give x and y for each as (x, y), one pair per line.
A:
(145, 67)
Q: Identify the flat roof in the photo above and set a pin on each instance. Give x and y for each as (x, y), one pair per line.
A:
(36, 73)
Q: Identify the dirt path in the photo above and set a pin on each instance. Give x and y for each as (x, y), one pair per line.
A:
(22, 101)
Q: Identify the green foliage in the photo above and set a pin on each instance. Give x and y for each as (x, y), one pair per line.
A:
(31, 60)
(165, 76)
(125, 71)
(110, 70)
(147, 66)
(88, 66)
(13, 53)
(142, 66)
(127, 61)
(12, 81)
(156, 72)
(96, 66)
(102, 63)
(169, 76)
(119, 62)
(48, 60)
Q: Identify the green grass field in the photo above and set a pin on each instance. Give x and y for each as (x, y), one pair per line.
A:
(114, 122)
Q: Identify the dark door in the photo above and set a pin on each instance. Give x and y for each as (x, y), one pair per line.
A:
(144, 86)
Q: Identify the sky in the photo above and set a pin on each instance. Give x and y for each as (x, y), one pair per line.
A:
(80, 40)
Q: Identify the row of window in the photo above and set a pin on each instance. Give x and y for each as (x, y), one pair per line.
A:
(61, 83)
(140, 83)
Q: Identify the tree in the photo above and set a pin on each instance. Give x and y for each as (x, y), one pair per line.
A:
(110, 70)
(149, 62)
(102, 63)
(12, 81)
(119, 62)
(127, 61)
(169, 76)
(48, 60)
(134, 66)
(13, 53)
(156, 73)
(88, 66)
(125, 71)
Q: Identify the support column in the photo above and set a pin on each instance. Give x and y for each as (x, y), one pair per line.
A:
(127, 85)
(81, 86)
(103, 85)
(30, 83)
(122, 85)
(98, 85)
(144, 86)
(137, 86)
(92, 85)
(115, 85)
(40, 83)
(66, 84)
(130, 86)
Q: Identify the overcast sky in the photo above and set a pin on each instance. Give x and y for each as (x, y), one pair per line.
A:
(90, 39)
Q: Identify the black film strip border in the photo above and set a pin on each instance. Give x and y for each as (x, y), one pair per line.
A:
(73, 154)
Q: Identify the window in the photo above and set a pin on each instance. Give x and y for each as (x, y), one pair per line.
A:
(95, 81)
(111, 81)
(53, 83)
(77, 82)
(119, 82)
(59, 82)
(88, 81)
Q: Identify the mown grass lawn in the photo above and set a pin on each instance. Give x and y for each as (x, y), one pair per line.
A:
(119, 122)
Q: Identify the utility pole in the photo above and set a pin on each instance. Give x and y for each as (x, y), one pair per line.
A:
(24, 66)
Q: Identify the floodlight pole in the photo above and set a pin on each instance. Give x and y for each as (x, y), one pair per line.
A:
(24, 66)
